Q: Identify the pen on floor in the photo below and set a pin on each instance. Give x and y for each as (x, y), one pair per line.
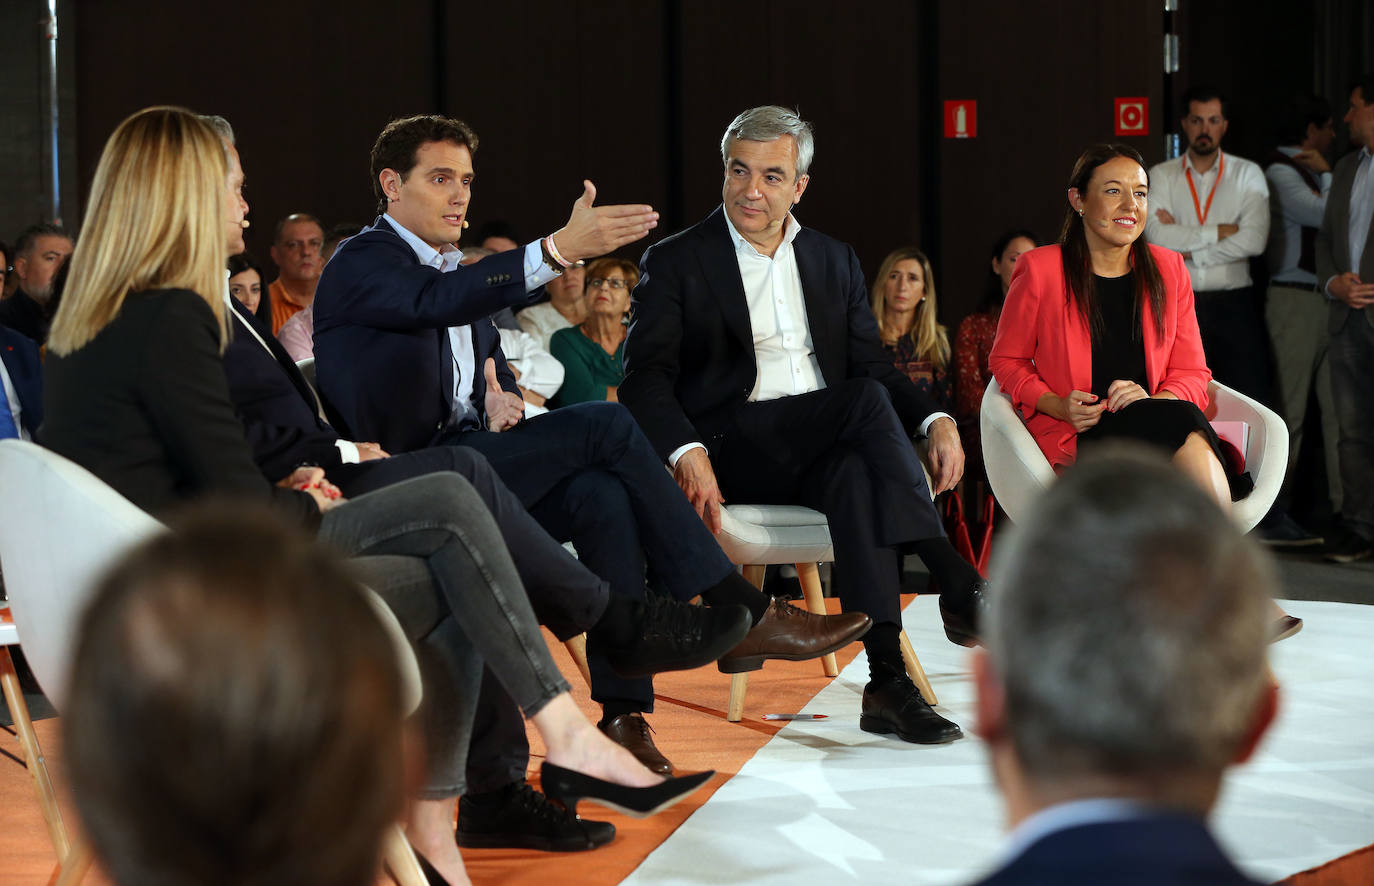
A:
(796, 716)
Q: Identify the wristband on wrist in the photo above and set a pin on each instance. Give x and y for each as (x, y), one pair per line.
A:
(551, 249)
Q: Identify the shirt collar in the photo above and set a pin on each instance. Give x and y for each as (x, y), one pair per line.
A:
(1188, 164)
(742, 245)
(1073, 813)
(427, 254)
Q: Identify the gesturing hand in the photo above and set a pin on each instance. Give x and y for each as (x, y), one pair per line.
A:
(698, 480)
(597, 230)
(1082, 410)
(504, 409)
(946, 454)
(1121, 393)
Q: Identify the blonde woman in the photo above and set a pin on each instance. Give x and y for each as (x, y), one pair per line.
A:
(136, 393)
(903, 302)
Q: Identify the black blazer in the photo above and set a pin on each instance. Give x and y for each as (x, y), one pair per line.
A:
(1157, 850)
(145, 407)
(1333, 240)
(689, 357)
(20, 355)
(382, 358)
(24, 315)
(274, 402)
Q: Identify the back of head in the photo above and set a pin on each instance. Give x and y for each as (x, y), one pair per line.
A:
(1128, 627)
(156, 219)
(1296, 114)
(234, 713)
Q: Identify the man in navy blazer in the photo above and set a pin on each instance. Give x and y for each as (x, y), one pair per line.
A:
(406, 355)
(1124, 673)
(22, 376)
(754, 366)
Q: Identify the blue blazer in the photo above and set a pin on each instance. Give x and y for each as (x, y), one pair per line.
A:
(26, 373)
(382, 358)
(274, 402)
(1159, 850)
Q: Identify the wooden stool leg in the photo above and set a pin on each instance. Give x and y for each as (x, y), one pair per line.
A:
(33, 754)
(77, 863)
(754, 574)
(810, 578)
(915, 671)
(400, 859)
(739, 683)
(577, 648)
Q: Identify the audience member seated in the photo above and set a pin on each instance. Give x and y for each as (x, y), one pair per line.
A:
(903, 302)
(235, 712)
(21, 385)
(428, 546)
(1098, 339)
(565, 308)
(1117, 688)
(973, 345)
(5, 255)
(591, 352)
(39, 254)
(297, 334)
(498, 235)
(246, 285)
(296, 251)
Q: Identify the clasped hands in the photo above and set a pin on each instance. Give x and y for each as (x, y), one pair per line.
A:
(1082, 409)
(310, 480)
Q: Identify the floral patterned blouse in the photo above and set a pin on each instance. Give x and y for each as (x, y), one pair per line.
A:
(972, 347)
(933, 382)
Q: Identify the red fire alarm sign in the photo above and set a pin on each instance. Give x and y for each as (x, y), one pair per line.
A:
(1133, 116)
(961, 118)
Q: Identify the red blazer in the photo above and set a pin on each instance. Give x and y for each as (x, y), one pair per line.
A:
(1043, 345)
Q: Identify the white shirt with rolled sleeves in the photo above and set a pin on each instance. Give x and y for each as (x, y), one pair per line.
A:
(783, 349)
(1293, 205)
(1242, 199)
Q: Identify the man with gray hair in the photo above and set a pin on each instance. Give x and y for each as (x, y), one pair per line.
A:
(1124, 672)
(754, 366)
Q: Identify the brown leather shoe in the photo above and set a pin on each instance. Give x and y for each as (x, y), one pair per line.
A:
(793, 634)
(632, 732)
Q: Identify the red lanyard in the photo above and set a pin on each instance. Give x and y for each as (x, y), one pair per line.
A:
(1203, 212)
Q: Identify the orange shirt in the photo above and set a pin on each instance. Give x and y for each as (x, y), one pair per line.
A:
(283, 308)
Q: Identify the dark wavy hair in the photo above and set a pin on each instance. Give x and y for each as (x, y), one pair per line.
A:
(244, 261)
(1078, 270)
(400, 141)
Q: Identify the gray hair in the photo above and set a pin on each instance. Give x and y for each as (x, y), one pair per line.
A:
(769, 123)
(1128, 625)
(220, 126)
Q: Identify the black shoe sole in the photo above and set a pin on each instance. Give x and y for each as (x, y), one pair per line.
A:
(701, 656)
(749, 663)
(529, 841)
(962, 638)
(880, 726)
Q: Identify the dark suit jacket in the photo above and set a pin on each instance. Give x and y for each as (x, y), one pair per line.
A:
(26, 373)
(24, 315)
(145, 407)
(689, 358)
(274, 402)
(1160, 850)
(1333, 240)
(382, 357)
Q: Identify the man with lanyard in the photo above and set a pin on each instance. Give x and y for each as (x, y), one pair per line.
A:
(1214, 208)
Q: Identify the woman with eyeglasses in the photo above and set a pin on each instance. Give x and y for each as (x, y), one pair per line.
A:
(592, 352)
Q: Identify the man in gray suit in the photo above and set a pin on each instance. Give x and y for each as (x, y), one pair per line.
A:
(1345, 267)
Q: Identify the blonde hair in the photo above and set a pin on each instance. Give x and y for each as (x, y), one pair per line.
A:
(931, 337)
(155, 220)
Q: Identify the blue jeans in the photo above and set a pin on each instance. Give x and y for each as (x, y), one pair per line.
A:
(1351, 354)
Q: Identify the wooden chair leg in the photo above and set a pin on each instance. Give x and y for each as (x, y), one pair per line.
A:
(76, 865)
(810, 578)
(400, 859)
(577, 648)
(33, 754)
(754, 574)
(739, 684)
(915, 671)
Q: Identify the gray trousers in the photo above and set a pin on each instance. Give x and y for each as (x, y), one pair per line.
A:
(430, 548)
(1352, 368)
(1297, 319)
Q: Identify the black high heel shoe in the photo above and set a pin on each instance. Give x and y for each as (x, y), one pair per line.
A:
(567, 787)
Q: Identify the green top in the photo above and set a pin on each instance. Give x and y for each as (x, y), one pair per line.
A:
(588, 369)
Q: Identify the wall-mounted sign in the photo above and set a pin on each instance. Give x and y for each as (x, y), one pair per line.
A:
(961, 118)
(1133, 116)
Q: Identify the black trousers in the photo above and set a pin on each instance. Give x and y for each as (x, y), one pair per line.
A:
(843, 452)
(1236, 341)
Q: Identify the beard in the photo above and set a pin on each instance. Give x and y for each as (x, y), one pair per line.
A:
(1203, 149)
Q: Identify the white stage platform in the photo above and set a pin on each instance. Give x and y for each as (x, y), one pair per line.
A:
(823, 802)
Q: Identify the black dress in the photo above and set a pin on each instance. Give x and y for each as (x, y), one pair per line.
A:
(1119, 353)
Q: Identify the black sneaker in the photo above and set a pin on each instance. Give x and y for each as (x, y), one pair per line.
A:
(1278, 530)
(523, 818)
(677, 636)
(895, 705)
(1348, 548)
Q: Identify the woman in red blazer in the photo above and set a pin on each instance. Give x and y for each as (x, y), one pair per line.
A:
(1098, 339)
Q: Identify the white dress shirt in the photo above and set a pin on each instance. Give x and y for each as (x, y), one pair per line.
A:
(541, 321)
(1292, 206)
(537, 273)
(12, 395)
(1241, 198)
(539, 370)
